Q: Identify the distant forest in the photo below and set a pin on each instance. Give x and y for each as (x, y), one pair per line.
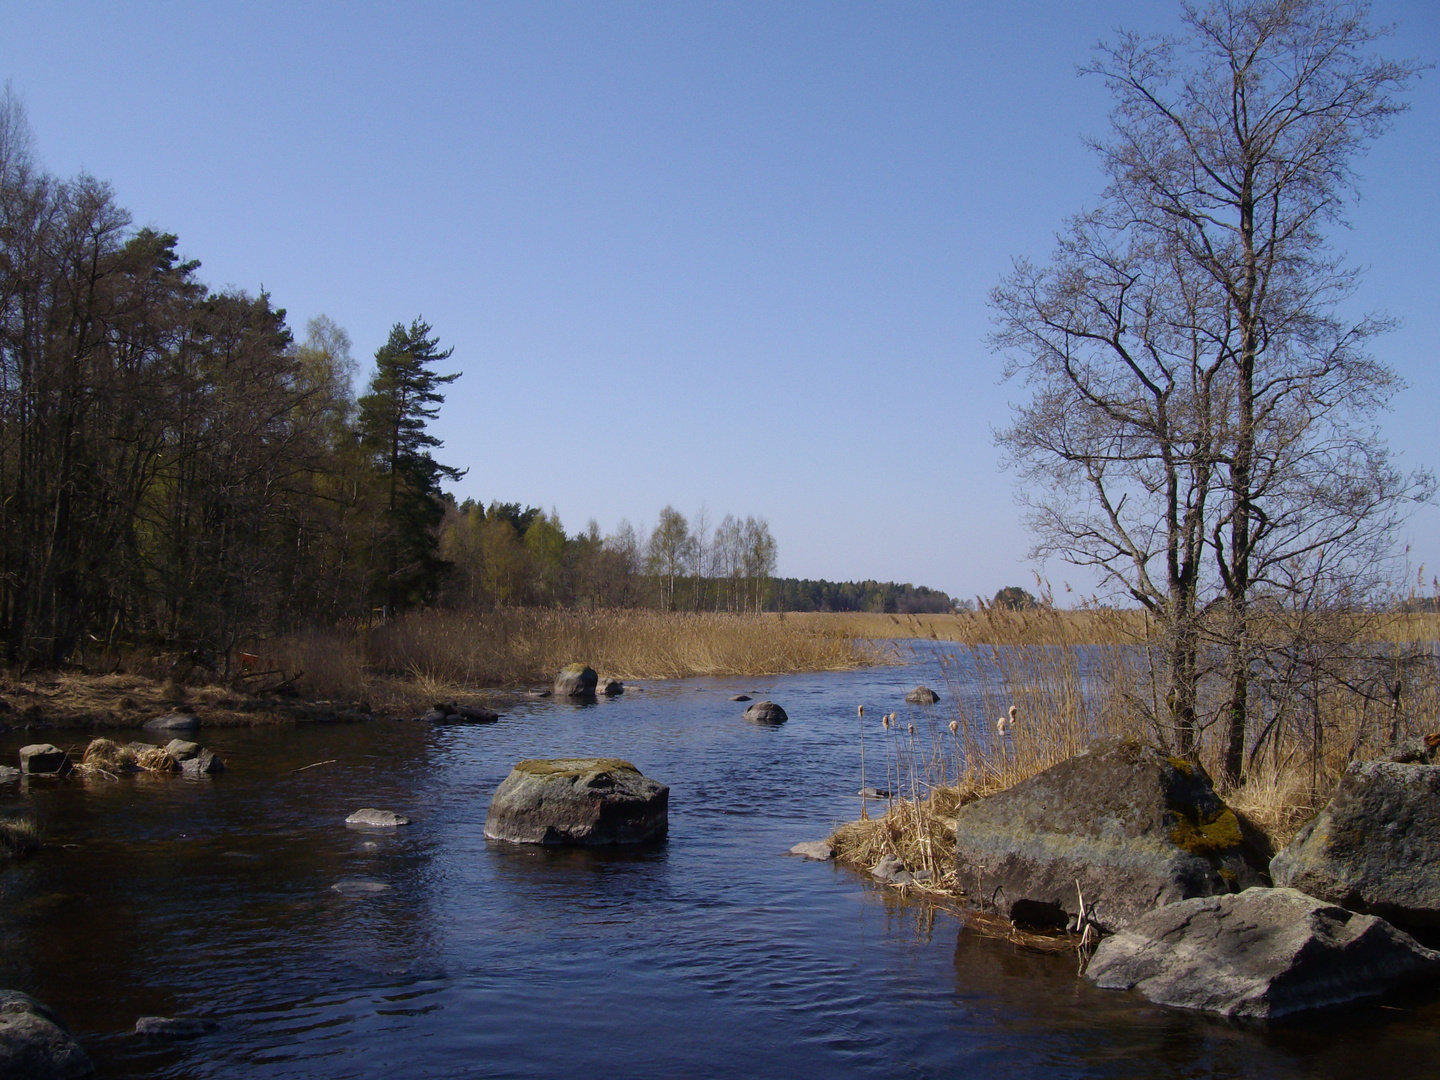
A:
(802, 594)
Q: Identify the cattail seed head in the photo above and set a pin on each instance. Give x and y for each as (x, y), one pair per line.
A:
(862, 710)
(954, 727)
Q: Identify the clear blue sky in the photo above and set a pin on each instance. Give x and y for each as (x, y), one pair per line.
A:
(723, 254)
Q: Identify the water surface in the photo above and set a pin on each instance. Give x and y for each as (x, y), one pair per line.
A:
(710, 955)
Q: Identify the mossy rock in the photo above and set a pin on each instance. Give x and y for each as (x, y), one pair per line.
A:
(1128, 827)
(573, 766)
(578, 801)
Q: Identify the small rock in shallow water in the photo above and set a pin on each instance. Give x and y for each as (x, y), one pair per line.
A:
(359, 887)
(44, 759)
(766, 712)
(204, 763)
(891, 870)
(7, 774)
(818, 850)
(181, 750)
(873, 793)
(922, 695)
(174, 1027)
(739, 697)
(377, 818)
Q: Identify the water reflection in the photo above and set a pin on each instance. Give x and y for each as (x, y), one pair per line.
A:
(706, 955)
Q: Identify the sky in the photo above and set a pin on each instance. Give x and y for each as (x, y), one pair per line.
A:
(724, 256)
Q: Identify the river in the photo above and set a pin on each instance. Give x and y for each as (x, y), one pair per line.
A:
(708, 956)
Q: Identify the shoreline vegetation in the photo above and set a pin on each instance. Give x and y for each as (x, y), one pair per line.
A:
(1075, 676)
(404, 663)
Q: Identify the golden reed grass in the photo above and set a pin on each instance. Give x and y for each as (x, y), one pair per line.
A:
(435, 652)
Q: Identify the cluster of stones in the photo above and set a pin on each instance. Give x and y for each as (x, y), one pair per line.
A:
(451, 713)
(1137, 844)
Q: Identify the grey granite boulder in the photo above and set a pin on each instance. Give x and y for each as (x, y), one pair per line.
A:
(175, 721)
(1374, 847)
(35, 1044)
(587, 801)
(181, 750)
(608, 687)
(1260, 955)
(204, 763)
(765, 712)
(174, 1027)
(922, 695)
(379, 819)
(1123, 824)
(576, 681)
(44, 759)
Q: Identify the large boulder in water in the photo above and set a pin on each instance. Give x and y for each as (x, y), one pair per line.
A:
(1123, 824)
(576, 681)
(588, 801)
(1374, 847)
(922, 695)
(765, 712)
(35, 1044)
(1259, 955)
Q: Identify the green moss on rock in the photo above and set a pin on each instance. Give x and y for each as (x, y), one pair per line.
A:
(573, 766)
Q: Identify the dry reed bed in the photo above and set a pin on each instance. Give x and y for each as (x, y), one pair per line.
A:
(438, 651)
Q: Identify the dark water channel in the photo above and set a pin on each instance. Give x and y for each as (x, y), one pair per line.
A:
(708, 956)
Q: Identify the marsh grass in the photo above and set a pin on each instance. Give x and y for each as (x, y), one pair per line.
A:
(431, 654)
(20, 834)
(102, 756)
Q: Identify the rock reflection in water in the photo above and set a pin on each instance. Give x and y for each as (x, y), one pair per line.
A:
(707, 955)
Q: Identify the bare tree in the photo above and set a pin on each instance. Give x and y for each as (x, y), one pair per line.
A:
(1203, 415)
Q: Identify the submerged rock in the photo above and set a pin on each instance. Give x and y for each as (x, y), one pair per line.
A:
(922, 695)
(586, 801)
(739, 697)
(576, 681)
(175, 721)
(8, 774)
(1130, 827)
(1374, 846)
(609, 687)
(1260, 955)
(359, 887)
(451, 713)
(376, 818)
(819, 850)
(873, 793)
(766, 712)
(35, 1044)
(174, 1027)
(44, 759)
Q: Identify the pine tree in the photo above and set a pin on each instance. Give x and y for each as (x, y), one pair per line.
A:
(404, 395)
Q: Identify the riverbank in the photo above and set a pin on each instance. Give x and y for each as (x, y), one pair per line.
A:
(402, 666)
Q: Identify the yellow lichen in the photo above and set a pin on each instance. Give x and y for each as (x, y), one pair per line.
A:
(1181, 765)
(1201, 837)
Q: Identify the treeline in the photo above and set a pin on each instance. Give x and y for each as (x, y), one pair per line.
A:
(802, 594)
(504, 555)
(174, 465)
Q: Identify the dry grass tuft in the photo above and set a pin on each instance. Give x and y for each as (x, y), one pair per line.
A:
(20, 835)
(110, 758)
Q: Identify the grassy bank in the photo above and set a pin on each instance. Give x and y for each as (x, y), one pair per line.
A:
(404, 663)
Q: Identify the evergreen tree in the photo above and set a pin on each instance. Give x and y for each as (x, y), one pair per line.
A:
(404, 395)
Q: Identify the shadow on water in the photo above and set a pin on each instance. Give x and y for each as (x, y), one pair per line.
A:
(450, 955)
